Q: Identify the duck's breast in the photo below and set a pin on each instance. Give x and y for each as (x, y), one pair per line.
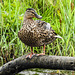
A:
(33, 35)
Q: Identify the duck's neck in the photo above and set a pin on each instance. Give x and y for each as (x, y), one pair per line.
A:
(27, 17)
(28, 20)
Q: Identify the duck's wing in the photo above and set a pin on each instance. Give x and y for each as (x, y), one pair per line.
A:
(46, 30)
(43, 24)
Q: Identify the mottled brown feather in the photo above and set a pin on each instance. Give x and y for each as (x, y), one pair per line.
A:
(33, 33)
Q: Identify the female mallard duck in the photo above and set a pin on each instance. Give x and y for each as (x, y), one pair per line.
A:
(36, 33)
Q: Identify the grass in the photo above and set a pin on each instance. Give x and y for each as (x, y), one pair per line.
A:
(59, 13)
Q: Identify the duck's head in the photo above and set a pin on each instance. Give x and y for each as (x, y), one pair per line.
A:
(31, 13)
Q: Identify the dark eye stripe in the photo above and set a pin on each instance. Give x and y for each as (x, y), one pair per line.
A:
(30, 11)
(33, 12)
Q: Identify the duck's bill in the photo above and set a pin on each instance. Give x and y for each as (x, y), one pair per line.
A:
(37, 16)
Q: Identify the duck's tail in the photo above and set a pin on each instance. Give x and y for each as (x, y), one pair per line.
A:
(58, 36)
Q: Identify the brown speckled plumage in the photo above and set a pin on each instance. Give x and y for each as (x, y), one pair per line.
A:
(34, 33)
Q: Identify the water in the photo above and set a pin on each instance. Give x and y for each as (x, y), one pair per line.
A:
(45, 72)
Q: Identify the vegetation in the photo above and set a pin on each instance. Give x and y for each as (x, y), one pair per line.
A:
(59, 13)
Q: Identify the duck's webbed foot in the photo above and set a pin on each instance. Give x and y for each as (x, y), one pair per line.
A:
(30, 55)
(40, 54)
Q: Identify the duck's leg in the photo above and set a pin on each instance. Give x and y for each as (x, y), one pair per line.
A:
(30, 54)
(43, 51)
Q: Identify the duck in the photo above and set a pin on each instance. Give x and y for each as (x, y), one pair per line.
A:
(36, 33)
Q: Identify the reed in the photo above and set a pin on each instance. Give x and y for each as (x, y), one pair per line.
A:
(59, 13)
